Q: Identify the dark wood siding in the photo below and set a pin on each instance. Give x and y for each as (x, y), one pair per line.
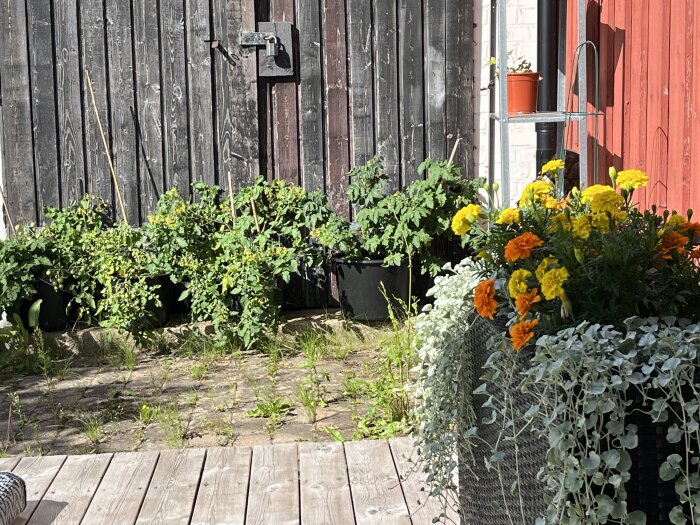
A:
(370, 77)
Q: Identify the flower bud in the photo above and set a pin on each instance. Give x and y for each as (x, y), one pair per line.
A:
(612, 172)
(496, 186)
(690, 213)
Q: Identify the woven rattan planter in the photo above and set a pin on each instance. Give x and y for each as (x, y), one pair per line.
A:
(482, 502)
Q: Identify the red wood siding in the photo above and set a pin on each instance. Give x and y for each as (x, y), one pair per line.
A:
(648, 94)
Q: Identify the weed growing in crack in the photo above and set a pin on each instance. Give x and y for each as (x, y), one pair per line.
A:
(171, 425)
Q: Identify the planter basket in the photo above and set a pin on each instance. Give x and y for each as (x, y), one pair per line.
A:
(481, 501)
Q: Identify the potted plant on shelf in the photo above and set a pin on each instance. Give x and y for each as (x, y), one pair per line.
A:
(522, 84)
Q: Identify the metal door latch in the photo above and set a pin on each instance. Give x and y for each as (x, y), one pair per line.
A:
(275, 48)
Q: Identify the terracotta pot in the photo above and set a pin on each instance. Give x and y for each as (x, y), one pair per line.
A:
(522, 93)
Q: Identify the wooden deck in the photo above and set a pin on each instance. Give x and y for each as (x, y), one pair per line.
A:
(362, 482)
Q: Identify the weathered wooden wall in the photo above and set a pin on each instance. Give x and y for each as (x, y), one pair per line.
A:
(384, 76)
(649, 94)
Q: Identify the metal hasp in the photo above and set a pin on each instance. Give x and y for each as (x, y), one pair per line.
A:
(275, 48)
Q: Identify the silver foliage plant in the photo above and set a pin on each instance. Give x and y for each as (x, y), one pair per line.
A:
(587, 381)
(440, 330)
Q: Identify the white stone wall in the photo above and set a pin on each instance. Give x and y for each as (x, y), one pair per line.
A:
(522, 40)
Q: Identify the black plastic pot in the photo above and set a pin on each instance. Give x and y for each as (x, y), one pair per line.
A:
(52, 313)
(307, 288)
(158, 315)
(359, 288)
(448, 250)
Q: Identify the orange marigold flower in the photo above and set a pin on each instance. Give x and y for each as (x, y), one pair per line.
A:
(524, 302)
(521, 333)
(672, 242)
(521, 246)
(485, 298)
(689, 227)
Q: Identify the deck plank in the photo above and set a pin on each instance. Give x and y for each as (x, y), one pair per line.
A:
(421, 505)
(7, 464)
(376, 489)
(171, 493)
(223, 489)
(122, 489)
(273, 495)
(38, 473)
(325, 487)
(71, 491)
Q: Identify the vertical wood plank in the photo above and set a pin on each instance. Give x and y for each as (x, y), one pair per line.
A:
(459, 80)
(690, 66)
(122, 105)
(174, 96)
(38, 473)
(236, 92)
(422, 506)
(285, 116)
(361, 81)
(640, 75)
(336, 78)
(265, 117)
(149, 132)
(605, 124)
(223, 490)
(71, 491)
(434, 20)
(627, 88)
(619, 85)
(18, 165)
(273, 494)
(199, 91)
(386, 96)
(121, 492)
(44, 127)
(694, 131)
(325, 488)
(311, 134)
(411, 89)
(94, 59)
(657, 111)
(376, 490)
(173, 487)
(69, 106)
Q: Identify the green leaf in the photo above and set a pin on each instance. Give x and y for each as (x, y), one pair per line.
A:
(34, 311)
(676, 516)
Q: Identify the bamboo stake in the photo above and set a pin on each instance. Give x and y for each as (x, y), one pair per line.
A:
(255, 215)
(107, 152)
(454, 152)
(7, 212)
(230, 197)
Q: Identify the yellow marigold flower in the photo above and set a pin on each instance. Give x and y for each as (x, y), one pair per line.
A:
(552, 165)
(631, 179)
(463, 219)
(551, 203)
(673, 221)
(557, 220)
(552, 283)
(601, 222)
(581, 226)
(535, 192)
(590, 192)
(604, 199)
(509, 216)
(544, 266)
(517, 284)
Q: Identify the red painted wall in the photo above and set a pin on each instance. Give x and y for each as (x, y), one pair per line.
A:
(649, 92)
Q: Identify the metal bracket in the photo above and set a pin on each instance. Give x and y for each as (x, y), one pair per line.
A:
(275, 48)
